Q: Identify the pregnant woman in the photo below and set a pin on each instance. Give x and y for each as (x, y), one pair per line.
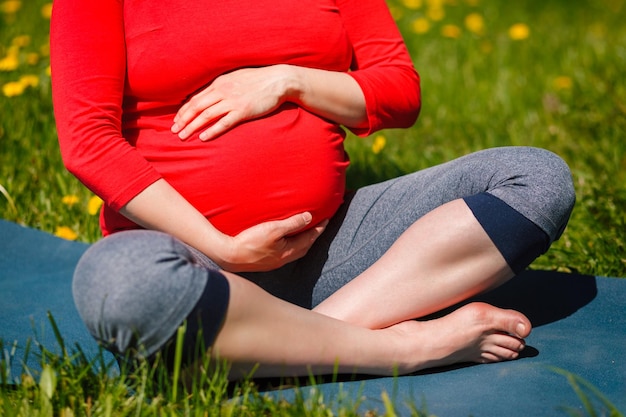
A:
(213, 133)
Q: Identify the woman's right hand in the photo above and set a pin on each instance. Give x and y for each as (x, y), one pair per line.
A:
(263, 247)
(270, 245)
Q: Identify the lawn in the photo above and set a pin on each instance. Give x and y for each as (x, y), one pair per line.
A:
(546, 73)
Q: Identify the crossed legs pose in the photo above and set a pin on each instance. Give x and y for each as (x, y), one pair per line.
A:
(395, 252)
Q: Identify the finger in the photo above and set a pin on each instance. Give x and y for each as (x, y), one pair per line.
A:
(221, 125)
(303, 241)
(189, 120)
(320, 227)
(209, 116)
(291, 224)
(297, 245)
(197, 103)
(184, 115)
(192, 110)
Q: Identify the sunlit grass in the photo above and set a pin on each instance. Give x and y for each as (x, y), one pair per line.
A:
(547, 74)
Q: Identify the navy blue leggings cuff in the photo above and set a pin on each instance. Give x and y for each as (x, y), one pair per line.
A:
(203, 323)
(519, 240)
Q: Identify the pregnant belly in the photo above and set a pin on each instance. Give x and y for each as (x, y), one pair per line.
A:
(268, 169)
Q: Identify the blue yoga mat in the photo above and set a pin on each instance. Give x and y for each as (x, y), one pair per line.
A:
(36, 271)
(579, 326)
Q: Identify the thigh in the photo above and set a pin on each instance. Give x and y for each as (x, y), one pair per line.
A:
(369, 221)
(534, 182)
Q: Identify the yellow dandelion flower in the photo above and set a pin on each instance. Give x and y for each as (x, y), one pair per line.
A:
(379, 143)
(420, 25)
(436, 14)
(48, 71)
(46, 10)
(563, 82)
(32, 58)
(9, 63)
(45, 49)
(396, 12)
(519, 32)
(94, 204)
(435, 11)
(70, 200)
(475, 23)
(10, 6)
(435, 4)
(65, 232)
(13, 50)
(20, 41)
(29, 80)
(451, 31)
(13, 88)
(412, 4)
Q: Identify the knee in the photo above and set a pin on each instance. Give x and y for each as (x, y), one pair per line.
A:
(554, 179)
(554, 174)
(540, 187)
(126, 291)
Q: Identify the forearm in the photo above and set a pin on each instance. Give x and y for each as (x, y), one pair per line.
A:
(333, 95)
(160, 207)
(262, 247)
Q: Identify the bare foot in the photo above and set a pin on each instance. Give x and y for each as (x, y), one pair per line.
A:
(477, 332)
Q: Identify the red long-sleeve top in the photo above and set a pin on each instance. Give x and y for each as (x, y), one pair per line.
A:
(121, 69)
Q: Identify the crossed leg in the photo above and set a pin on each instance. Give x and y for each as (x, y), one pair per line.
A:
(430, 267)
(446, 256)
(441, 255)
(418, 276)
(285, 339)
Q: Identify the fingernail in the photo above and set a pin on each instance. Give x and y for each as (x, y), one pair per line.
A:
(307, 217)
(521, 329)
(175, 128)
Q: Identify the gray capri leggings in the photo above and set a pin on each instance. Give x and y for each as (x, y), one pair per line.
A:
(134, 289)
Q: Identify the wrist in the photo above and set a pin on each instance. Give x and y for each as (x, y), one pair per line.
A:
(294, 85)
(216, 245)
(224, 251)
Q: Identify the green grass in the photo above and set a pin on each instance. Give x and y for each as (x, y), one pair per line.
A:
(561, 88)
(485, 91)
(479, 91)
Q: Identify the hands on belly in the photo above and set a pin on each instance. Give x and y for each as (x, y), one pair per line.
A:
(271, 245)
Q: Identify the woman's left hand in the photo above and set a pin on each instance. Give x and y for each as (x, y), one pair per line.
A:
(232, 98)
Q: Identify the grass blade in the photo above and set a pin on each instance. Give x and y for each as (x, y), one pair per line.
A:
(6, 195)
(178, 357)
(578, 383)
(57, 333)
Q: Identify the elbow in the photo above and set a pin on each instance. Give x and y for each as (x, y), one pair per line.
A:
(416, 97)
(416, 108)
(72, 160)
(73, 167)
(410, 104)
(411, 107)
(67, 157)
